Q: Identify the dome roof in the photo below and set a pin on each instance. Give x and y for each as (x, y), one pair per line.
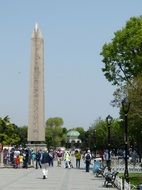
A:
(73, 133)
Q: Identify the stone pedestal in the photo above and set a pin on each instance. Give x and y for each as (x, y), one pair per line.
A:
(36, 146)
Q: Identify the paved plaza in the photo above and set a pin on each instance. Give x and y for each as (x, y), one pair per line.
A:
(59, 178)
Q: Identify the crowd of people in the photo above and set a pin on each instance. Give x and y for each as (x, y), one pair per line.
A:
(43, 158)
(26, 157)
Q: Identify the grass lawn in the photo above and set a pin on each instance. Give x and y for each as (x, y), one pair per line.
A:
(134, 178)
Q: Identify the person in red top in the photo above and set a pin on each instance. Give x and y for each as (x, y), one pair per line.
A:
(59, 157)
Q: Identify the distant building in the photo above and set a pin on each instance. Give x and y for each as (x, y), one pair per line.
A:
(73, 137)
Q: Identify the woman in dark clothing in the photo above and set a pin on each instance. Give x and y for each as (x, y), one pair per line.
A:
(25, 158)
(45, 162)
(51, 157)
(38, 157)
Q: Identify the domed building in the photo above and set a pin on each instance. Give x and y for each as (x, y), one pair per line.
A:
(73, 138)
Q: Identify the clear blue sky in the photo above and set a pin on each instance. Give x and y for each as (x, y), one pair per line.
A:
(74, 33)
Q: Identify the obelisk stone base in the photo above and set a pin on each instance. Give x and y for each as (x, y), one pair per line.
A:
(36, 146)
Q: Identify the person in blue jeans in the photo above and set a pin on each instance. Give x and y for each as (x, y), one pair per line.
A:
(88, 158)
(45, 162)
(38, 159)
(78, 158)
(51, 157)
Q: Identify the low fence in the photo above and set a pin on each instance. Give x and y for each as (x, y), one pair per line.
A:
(123, 185)
(118, 183)
(119, 165)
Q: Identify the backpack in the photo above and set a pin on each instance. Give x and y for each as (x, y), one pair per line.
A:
(45, 158)
(88, 157)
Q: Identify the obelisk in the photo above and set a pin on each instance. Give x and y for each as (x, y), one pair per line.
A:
(36, 127)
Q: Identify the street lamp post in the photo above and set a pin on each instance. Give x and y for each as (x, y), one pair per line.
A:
(125, 108)
(95, 142)
(109, 121)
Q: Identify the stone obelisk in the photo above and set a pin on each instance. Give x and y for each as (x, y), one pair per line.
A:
(36, 128)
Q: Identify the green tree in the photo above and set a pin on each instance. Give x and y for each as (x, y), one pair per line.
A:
(22, 131)
(135, 97)
(55, 134)
(100, 129)
(122, 57)
(84, 136)
(55, 121)
(135, 114)
(80, 130)
(8, 132)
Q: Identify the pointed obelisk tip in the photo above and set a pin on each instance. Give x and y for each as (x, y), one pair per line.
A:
(37, 32)
(36, 26)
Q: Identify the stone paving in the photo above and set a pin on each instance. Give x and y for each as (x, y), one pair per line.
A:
(59, 178)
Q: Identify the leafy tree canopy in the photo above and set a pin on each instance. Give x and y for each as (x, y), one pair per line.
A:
(9, 132)
(122, 57)
(54, 133)
(55, 121)
(101, 134)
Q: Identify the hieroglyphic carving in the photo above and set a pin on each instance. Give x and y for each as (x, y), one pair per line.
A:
(36, 92)
(36, 129)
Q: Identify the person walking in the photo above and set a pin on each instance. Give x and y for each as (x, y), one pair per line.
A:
(107, 159)
(38, 159)
(88, 157)
(67, 159)
(45, 162)
(78, 157)
(21, 160)
(33, 158)
(25, 158)
(51, 156)
(59, 157)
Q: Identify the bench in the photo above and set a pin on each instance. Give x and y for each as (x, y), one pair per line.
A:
(110, 178)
